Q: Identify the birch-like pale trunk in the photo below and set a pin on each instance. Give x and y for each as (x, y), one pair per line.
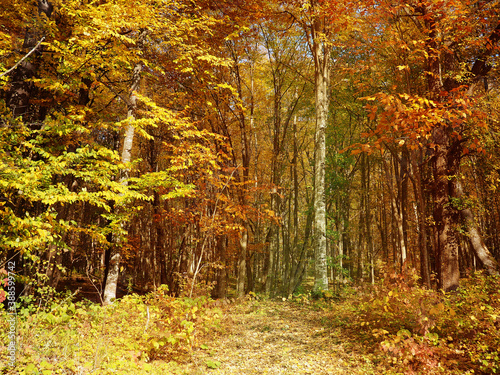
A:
(321, 55)
(242, 265)
(128, 141)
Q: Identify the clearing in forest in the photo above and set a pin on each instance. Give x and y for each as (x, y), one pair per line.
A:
(271, 337)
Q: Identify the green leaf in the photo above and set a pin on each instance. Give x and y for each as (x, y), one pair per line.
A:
(212, 364)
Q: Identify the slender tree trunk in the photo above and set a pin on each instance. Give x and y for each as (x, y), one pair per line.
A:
(321, 55)
(242, 265)
(296, 261)
(397, 218)
(403, 183)
(422, 235)
(382, 224)
(114, 263)
(222, 274)
(368, 221)
(362, 235)
(250, 287)
(287, 259)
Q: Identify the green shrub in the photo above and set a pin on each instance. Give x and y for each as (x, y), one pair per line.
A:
(124, 338)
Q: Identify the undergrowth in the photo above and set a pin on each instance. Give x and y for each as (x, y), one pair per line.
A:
(136, 334)
(397, 325)
(414, 330)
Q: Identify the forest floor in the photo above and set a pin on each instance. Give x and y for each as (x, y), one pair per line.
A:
(279, 337)
(390, 329)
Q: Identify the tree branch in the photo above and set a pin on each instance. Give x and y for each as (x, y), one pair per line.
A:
(24, 58)
(480, 67)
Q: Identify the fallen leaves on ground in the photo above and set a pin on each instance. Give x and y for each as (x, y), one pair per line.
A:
(275, 337)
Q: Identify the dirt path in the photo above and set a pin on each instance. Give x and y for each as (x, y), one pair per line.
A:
(268, 337)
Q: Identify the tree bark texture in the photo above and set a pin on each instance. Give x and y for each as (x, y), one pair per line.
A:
(445, 215)
(445, 168)
(321, 55)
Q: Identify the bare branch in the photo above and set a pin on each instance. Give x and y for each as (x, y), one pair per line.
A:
(24, 58)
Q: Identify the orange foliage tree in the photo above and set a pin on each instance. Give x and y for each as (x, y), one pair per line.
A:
(438, 54)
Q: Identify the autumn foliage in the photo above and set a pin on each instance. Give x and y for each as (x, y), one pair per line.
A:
(199, 147)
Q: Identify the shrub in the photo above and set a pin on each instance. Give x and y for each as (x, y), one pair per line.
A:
(425, 331)
(124, 338)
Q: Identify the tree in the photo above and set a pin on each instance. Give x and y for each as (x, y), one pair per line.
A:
(321, 49)
(46, 117)
(442, 57)
(322, 20)
(113, 267)
(68, 191)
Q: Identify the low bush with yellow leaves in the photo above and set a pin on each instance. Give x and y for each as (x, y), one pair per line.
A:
(136, 334)
(422, 331)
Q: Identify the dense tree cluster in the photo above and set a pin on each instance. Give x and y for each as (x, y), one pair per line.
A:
(202, 144)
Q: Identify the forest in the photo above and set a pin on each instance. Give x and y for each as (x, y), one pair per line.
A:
(173, 163)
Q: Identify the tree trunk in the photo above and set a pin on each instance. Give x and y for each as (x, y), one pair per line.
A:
(483, 254)
(321, 55)
(222, 274)
(272, 244)
(114, 265)
(403, 185)
(397, 217)
(243, 177)
(242, 265)
(445, 215)
(422, 235)
(445, 167)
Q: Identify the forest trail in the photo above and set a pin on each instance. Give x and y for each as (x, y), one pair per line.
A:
(271, 337)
